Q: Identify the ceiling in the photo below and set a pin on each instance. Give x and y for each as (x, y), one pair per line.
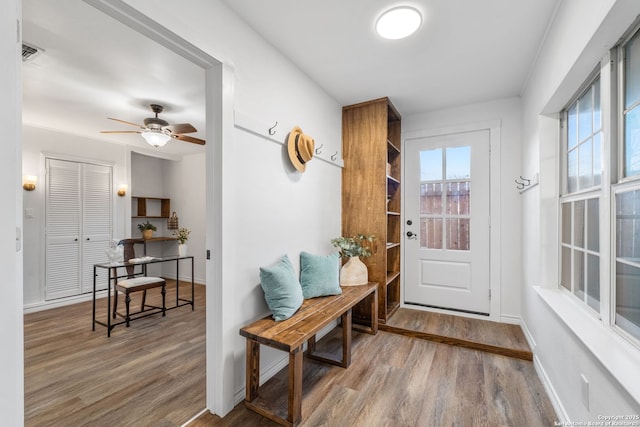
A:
(94, 67)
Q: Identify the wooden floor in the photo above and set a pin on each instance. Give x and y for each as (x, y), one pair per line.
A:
(395, 380)
(150, 374)
(499, 338)
(153, 374)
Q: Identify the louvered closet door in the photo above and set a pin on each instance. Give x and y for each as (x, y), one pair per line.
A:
(96, 222)
(78, 226)
(63, 224)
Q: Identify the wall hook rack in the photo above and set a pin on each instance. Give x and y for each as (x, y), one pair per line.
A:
(271, 129)
(318, 150)
(524, 184)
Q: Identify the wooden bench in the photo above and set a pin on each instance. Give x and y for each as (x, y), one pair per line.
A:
(291, 334)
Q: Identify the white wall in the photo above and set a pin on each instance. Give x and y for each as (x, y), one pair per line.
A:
(581, 34)
(11, 351)
(508, 112)
(37, 143)
(267, 209)
(185, 183)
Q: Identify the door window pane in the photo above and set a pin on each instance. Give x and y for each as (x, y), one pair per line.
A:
(458, 234)
(458, 198)
(431, 165)
(458, 162)
(431, 233)
(431, 199)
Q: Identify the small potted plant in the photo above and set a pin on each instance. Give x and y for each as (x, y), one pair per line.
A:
(182, 235)
(354, 271)
(147, 230)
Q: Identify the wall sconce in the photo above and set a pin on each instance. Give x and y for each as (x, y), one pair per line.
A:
(29, 182)
(122, 190)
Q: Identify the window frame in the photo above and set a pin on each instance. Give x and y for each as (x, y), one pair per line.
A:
(596, 191)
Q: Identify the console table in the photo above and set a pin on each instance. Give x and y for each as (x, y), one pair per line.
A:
(113, 276)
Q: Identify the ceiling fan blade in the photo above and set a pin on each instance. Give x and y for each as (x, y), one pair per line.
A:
(181, 128)
(126, 123)
(120, 131)
(188, 139)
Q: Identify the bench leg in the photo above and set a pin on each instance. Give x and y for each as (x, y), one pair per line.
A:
(252, 370)
(346, 339)
(295, 386)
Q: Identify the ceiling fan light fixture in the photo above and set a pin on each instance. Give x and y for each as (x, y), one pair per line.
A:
(398, 22)
(157, 138)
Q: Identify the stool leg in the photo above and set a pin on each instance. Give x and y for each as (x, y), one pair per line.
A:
(144, 299)
(127, 301)
(164, 291)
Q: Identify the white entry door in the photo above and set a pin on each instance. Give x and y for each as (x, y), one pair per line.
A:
(447, 221)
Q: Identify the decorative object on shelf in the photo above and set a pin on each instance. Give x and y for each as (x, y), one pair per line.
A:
(147, 230)
(182, 235)
(29, 182)
(172, 222)
(300, 147)
(122, 190)
(354, 272)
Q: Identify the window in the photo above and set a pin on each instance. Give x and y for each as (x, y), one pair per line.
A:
(445, 184)
(589, 203)
(580, 203)
(627, 197)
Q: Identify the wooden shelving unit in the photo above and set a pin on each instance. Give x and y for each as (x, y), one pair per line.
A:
(371, 202)
(152, 207)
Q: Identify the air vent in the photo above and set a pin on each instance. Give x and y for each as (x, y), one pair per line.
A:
(29, 52)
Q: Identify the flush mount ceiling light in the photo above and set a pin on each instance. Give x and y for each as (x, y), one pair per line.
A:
(398, 22)
(156, 137)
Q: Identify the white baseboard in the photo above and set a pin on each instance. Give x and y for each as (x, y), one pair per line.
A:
(529, 337)
(513, 320)
(265, 376)
(61, 302)
(561, 413)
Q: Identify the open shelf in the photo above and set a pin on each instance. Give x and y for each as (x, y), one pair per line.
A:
(372, 156)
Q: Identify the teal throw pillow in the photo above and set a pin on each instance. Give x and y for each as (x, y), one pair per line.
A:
(281, 289)
(319, 275)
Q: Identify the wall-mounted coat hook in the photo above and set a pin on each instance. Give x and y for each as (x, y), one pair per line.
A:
(318, 150)
(334, 156)
(271, 129)
(523, 183)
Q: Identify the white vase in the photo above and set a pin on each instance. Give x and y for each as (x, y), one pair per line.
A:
(354, 273)
(182, 249)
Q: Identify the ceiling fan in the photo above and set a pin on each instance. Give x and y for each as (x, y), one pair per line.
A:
(158, 132)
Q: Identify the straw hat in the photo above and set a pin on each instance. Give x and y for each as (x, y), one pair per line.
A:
(300, 147)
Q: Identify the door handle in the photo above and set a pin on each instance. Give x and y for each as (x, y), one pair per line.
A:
(411, 235)
(88, 238)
